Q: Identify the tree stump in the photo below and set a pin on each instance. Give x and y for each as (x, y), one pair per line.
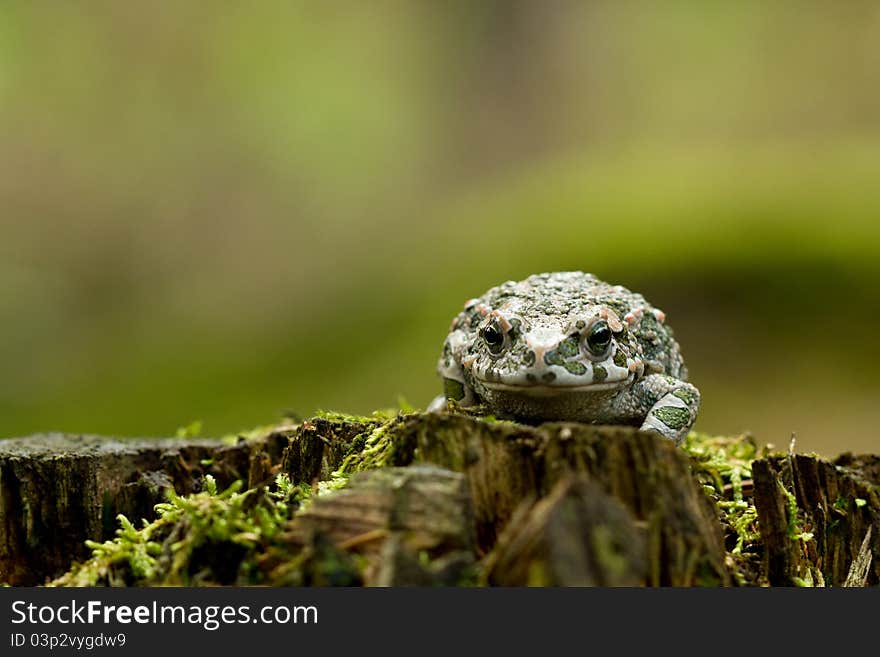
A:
(508, 463)
(426, 499)
(576, 536)
(413, 525)
(820, 521)
(58, 490)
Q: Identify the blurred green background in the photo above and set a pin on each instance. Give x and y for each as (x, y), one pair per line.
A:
(225, 211)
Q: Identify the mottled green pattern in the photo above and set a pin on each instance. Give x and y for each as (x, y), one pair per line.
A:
(568, 347)
(672, 416)
(687, 395)
(575, 367)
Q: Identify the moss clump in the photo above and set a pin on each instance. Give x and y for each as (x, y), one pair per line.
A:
(381, 415)
(210, 537)
(722, 464)
(371, 449)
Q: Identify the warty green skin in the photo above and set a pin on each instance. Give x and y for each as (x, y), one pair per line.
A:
(546, 364)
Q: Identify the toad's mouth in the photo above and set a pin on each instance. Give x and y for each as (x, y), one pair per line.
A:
(550, 390)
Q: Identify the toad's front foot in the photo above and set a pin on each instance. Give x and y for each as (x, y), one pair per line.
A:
(675, 412)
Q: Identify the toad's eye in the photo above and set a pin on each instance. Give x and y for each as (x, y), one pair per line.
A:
(494, 338)
(599, 338)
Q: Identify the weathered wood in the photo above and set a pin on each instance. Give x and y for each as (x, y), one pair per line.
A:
(578, 535)
(860, 569)
(507, 463)
(58, 490)
(413, 525)
(266, 455)
(818, 518)
(433, 495)
(318, 446)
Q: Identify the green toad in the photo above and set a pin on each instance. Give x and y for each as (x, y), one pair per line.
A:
(567, 346)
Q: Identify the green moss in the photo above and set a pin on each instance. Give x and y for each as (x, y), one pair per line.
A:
(207, 537)
(336, 416)
(374, 448)
(191, 430)
(743, 517)
(721, 464)
(795, 532)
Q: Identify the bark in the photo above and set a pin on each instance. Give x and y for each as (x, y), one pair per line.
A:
(507, 464)
(450, 499)
(319, 445)
(576, 536)
(820, 521)
(412, 525)
(58, 490)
